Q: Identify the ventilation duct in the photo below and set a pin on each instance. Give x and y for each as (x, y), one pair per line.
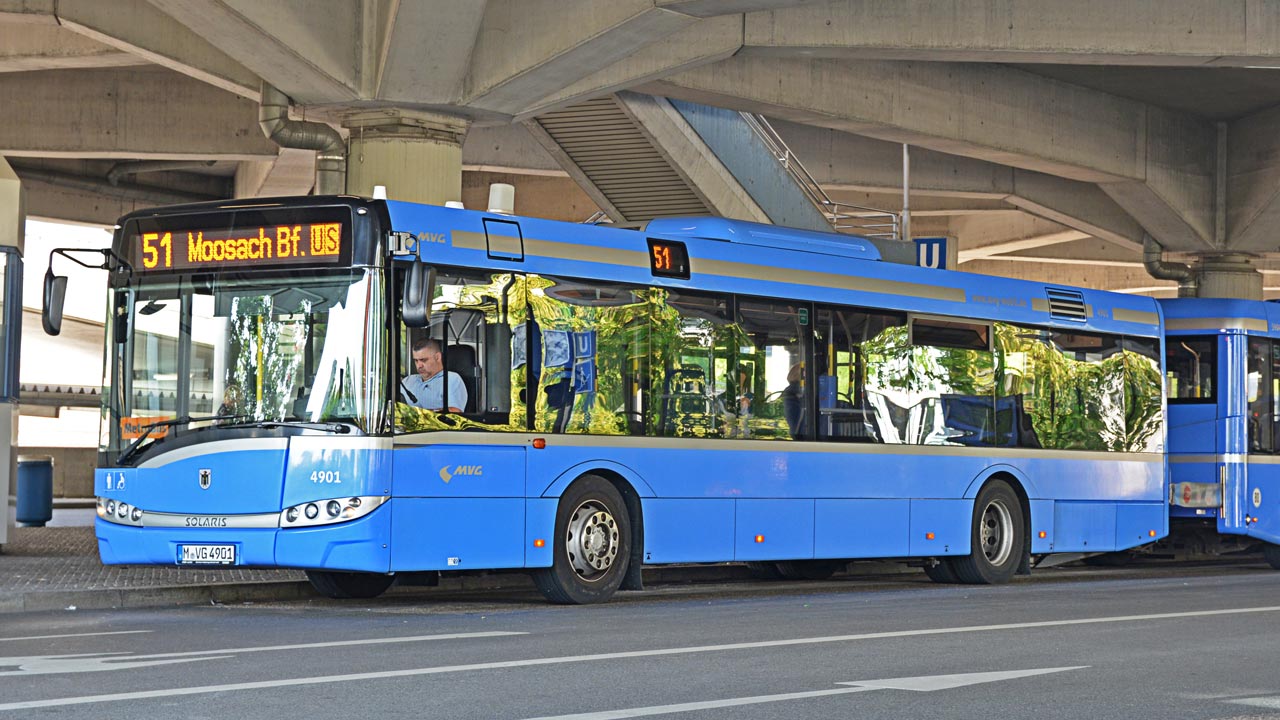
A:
(331, 160)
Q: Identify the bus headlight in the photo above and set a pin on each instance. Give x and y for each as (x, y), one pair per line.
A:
(335, 511)
(119, 512)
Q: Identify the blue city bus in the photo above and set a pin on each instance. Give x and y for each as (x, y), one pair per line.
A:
(1223, 370)
(700, 391)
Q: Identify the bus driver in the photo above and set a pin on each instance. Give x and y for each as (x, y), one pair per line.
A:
(427, 386)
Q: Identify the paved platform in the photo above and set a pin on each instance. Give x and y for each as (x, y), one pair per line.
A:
(57, 568)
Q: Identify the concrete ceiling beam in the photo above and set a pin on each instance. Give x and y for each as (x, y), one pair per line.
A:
(526, 52)
(407, 74)
(1223, 33)
(132, 113)
(315, 51)
(711, 8)
(1157, 164)
(1253, 181)
(704, 42)
(1028, 243)
(31, 47)
(1101, 277)
(144, 32)
(293, 172)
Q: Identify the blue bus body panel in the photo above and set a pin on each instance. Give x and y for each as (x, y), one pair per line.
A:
(125, 545)
(434, 533)
(872, 528)
(773, 529)
(240, 480)
(684, 530)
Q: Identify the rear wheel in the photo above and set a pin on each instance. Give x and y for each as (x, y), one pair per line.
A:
(592, 544)
(997, 540)
(1272, 553)
(349, 585)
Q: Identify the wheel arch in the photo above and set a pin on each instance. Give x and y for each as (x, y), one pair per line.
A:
(1023, 489)
(631, 487)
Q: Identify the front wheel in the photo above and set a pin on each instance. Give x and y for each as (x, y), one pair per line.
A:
(997, 540)
(1272, 553)
(349, 585)
(592, 544)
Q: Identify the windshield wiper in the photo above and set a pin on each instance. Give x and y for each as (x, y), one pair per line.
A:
(338, 428)
(133, 448)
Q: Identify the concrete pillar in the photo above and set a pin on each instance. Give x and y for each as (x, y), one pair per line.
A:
(1230, 275)
(417, 156)
(12, 221)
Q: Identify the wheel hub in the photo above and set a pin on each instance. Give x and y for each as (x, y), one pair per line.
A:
(591, 540)
(996, 533)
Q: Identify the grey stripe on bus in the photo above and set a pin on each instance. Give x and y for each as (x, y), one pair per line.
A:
(1211, 324)
(793, 446)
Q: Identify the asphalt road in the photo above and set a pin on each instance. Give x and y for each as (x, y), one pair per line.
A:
(1165, 643)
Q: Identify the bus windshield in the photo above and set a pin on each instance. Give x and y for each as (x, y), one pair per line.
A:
(245, 347)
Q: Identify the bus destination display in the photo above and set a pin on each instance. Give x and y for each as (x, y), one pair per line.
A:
(668, 258)
(208, 248)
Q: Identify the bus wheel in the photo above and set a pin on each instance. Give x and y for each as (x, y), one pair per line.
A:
(348, 585)
(1272, 554)
(996, 540)
(592, 544)
(941, 571)
(808, 569)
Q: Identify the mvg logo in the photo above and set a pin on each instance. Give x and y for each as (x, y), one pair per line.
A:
(474, 470)
(431, 237)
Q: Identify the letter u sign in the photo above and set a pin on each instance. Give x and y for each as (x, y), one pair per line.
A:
(931, 253)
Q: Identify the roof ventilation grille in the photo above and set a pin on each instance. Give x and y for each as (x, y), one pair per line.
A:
(1066, 304)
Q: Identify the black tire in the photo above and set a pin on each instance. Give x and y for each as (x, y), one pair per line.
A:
(808, 569)
(997, 538)
(1272, 554)
(942, 572)
(349, 585)
(592, 544)
(763, 571)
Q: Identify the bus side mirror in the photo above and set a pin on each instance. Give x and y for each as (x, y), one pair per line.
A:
(120, 321)
(419, 288)
(55, 292)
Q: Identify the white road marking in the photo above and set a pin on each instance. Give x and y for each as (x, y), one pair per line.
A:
(1262, 702)
(99, 662)
(926, 683)
(71, 635)
(356, 677)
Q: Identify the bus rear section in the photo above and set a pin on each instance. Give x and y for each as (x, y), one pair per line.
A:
(1223, 377)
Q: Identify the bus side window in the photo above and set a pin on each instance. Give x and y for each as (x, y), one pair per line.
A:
(1258, 377)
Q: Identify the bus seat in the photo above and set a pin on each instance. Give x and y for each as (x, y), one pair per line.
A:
(461, 359)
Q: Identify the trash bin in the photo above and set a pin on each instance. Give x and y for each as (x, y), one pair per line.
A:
(35, 491)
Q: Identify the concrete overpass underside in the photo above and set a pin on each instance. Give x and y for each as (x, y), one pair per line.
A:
(1047, 139)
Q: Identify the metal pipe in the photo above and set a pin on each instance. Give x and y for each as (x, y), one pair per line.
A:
(331, 160)
(906, 192)
(119, 170)
(1157, 267)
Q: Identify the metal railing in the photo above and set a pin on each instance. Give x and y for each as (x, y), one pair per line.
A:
(843, 217)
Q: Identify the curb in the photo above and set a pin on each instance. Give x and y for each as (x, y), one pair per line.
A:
(282, 591)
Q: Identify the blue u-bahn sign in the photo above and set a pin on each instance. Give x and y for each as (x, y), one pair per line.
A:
(931, 252)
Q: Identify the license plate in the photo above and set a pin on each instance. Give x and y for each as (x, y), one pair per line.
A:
(207, 555)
